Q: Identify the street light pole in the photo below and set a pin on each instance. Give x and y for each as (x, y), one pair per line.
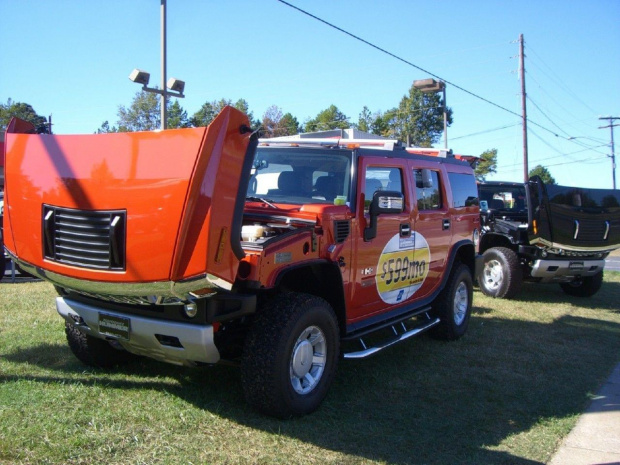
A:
(611, 125)
(430, 86)
(445, 117)
(176, 86)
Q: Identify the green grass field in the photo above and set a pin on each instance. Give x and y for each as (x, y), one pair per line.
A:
(508, 392)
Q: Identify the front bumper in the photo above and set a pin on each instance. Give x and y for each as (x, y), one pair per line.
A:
(160, 292)
(565, 270)
(167, 341)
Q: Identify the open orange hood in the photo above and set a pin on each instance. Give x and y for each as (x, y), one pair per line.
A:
(129, 208)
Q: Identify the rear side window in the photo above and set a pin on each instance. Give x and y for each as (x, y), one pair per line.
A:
(464, 190)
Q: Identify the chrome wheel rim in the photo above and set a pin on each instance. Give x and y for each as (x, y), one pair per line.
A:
(493, 274)
(308, 360)
(461, 302)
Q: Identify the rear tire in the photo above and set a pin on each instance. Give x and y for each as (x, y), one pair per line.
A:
(500, 275)
(290, 356)
(584, 287)
(93, 351)
(453, 306)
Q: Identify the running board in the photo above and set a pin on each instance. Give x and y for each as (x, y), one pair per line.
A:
(406, 334)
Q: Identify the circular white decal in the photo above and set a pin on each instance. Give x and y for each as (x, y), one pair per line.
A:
(403, 267)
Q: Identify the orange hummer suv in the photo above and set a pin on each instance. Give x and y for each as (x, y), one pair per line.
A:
(196, 246)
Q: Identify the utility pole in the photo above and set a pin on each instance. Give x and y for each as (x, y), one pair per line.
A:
(523, 107)
(611, 125)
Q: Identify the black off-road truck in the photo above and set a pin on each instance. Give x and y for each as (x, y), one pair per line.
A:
(545, 233)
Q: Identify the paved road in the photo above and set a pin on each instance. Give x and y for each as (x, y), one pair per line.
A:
(612, 263)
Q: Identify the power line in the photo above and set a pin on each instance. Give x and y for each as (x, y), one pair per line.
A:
(585, 160)
(561, 155)
(558, 81)
(487, 131)
(382, 50)
(546, 116)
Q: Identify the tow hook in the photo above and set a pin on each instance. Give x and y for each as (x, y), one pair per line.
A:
(341, 262)
(78, 321)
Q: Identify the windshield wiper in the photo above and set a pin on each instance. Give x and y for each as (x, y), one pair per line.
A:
(259, 199)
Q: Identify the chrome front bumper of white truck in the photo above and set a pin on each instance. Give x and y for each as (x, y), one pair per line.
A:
(167, 341)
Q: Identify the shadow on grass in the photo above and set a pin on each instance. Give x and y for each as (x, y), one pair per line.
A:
(421, 402)
(535, 293)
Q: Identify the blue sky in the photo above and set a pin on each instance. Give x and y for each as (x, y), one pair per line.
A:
(72, 59)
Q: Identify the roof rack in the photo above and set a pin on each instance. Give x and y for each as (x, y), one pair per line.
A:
(381, 144)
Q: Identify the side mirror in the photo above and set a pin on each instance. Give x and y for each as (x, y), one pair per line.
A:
(427, 179)
(383, 202)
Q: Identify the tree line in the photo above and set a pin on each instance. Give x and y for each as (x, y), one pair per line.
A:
(417, 120)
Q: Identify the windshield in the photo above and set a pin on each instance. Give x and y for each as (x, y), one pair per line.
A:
(505, 198)
(301, 176)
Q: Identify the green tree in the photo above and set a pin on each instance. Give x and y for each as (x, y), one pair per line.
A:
(418, 119)
(290, 125)
(105, 128)
(543, 173)
(330, 118)
(242, 105)
(380, 125)
(364, 122)
(142, 115)
(177, 116)
(204, 115)
(486, 165)
(209, 110)
(23, 111)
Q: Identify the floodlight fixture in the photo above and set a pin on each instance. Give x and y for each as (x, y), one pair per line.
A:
(140, 77)
(176, 85)
(428, 86)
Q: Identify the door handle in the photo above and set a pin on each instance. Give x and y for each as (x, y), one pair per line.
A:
(405, 230)
(446, 224)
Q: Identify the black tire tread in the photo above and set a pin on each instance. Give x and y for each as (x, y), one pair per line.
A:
(442, 307)
(265, 373)
(589, 286)
(513, 275)
(93, 351)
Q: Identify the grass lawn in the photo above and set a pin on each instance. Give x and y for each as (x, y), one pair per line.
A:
(508, 392)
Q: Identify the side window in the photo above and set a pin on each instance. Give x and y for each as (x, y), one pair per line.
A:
(429, 198)
(381, 178)
(464, 190)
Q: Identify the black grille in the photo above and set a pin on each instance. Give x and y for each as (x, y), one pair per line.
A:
(85, 238)
(592, 230)
(341, 230)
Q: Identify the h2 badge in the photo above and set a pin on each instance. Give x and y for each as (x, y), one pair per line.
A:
(402, 268)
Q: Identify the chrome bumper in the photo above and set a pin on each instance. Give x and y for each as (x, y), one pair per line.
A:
(566, 270)
(158, 292)
(196, 341)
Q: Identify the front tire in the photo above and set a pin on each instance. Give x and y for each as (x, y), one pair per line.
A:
(500, 275)
(93, 351)
(453, 306)
(290, 355)
(584, 287)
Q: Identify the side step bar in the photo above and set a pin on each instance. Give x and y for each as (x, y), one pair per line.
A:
(406, 334)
